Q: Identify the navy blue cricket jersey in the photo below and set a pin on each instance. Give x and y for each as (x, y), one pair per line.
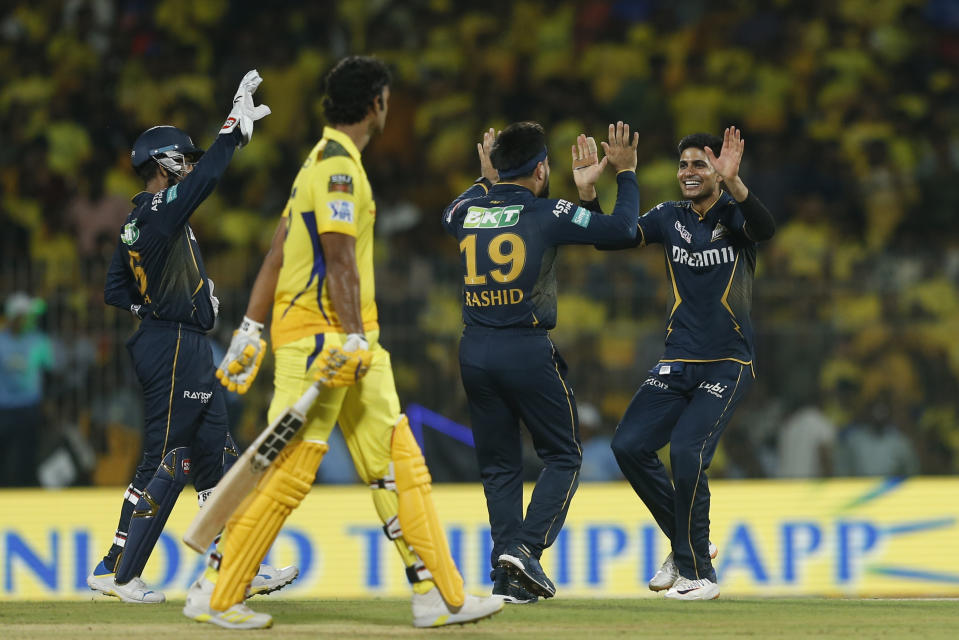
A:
(710, 262)
(157, 262)
(508, 239)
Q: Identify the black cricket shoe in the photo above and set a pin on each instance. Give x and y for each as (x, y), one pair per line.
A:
(509, 588)
(521, 561)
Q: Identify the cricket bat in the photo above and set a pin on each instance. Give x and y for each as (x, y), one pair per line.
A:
(242, 477)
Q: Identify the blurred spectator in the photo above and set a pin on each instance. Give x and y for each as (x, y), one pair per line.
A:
(806, 442)
(874, 446)
(25, 355)
(599, 463)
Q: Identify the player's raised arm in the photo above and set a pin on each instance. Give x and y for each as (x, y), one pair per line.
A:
(587, 167)
(582, 225)
(488, 177)
(760, 224)
(182, 199)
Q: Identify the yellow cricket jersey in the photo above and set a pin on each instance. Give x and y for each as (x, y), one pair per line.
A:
(331, 193)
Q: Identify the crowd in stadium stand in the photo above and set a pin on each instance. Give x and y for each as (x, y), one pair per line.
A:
(849, 111)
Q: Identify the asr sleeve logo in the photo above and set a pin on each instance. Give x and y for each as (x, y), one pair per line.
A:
(342, 210)
(492, 218)
(340, 183)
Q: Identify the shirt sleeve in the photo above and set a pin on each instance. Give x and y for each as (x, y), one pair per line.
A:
(648, 231)
(173, 206)
(758, 224)
(651, 226)
(334, 196)
(573, 224)
(120, 290)
(479, 189)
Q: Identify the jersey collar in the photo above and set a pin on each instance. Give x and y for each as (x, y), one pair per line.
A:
(332, 134)
(510, 186)
(720, 201)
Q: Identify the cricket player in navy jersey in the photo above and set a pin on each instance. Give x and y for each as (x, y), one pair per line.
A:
(157, 274)
(709, 240)
(508, 231)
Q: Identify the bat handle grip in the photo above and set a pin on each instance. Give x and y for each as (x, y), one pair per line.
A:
(307, 399)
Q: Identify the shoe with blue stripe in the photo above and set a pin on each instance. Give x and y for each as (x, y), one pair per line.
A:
(269, 579)
(135, 591)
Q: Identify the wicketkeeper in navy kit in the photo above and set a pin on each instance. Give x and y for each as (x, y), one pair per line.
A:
(157, 274)
(508, 234)
(709, 241)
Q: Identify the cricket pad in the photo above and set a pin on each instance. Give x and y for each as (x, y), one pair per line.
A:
(417, 513)
(253, 528)
(151, 513)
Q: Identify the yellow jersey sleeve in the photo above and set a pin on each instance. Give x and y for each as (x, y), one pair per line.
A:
(333, 191)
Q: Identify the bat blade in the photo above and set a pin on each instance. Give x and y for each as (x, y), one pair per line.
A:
(242, 477)
(238, 482)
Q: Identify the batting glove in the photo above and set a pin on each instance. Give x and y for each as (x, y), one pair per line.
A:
(341, 366)
(244, 113)
(242, 360)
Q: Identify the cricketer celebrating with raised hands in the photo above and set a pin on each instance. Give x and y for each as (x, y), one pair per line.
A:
(709, 241)
(157, 274)
(508, 234)
(318, 279)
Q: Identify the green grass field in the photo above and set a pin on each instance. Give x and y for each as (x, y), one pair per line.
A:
(563, 618)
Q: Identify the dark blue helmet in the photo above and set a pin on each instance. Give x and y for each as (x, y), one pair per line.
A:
(168, 145)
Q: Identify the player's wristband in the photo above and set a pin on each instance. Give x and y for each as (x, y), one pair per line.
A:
(593, 205)
(251, 326)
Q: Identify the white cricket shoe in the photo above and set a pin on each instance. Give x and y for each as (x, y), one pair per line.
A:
(686, 589)
(430, 610)
(239, 616)
(134, 591)
(668, 573)
(268, 579)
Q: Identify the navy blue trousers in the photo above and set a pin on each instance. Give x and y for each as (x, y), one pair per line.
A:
(686, 405)
(512, 375)
(184, 406)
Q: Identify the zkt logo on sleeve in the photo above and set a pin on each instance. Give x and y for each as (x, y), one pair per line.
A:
(340, 182)
(342, 210)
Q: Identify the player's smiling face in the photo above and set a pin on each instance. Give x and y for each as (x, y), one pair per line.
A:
(697, 178)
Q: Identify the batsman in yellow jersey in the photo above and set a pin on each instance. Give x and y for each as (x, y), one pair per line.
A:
(318, 275)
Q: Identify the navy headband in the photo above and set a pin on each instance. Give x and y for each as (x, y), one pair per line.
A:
(525, 168)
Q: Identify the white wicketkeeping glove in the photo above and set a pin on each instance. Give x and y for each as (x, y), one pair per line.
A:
(242, 361)
(244, 113)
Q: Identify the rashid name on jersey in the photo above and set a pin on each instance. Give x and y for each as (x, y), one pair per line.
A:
(508, 239)
(331, 194)
(710, 262)
(157, 270)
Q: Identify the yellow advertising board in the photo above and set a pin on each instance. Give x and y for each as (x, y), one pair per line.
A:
(862, 537)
